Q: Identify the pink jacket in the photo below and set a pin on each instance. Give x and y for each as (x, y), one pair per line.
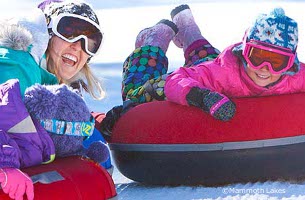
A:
(226, 75)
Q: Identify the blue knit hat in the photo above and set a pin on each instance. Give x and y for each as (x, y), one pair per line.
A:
(275, 28)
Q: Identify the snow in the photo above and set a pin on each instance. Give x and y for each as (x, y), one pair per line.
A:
(222, 23)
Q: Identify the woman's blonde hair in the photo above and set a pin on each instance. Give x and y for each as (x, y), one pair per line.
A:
(89, 82)
(92, 83)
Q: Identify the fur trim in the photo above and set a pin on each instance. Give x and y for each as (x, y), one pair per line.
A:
(15, 37)
(56, 102)
(36, 24)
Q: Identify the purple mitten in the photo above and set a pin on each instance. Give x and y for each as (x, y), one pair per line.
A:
(15, 183)
(98, 151)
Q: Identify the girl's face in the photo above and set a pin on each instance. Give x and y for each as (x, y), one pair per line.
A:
(262, 77)
(68, 58)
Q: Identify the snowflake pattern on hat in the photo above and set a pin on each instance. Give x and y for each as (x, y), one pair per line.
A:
(276, 29)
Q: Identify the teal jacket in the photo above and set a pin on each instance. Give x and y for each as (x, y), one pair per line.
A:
(17, 64)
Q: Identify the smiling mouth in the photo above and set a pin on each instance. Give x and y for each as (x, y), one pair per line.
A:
(262, 76)
(69, 59)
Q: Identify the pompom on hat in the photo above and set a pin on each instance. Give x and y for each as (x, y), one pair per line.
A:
(275, 28)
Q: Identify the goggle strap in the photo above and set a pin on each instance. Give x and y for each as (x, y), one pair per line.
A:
(60, 127)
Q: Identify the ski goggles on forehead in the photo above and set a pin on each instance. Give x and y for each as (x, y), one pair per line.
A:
(71, 28)
(260, 54)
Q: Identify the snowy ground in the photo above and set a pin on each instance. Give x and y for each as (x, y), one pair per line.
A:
(222, 23)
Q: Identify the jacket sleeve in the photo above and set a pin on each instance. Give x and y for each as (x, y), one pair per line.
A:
(180, 82)
(9, 151)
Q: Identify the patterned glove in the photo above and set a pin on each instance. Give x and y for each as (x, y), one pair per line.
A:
(218, 105)
(15, 183)
(112, 116)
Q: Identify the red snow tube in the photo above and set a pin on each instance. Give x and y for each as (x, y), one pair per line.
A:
(70, 178)
(167, 143)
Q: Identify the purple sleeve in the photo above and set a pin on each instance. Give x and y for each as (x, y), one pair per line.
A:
(9, 151)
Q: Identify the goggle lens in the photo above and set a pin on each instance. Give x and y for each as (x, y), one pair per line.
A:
(259, 56)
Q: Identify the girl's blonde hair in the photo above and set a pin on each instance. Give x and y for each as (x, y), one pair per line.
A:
(90, 83)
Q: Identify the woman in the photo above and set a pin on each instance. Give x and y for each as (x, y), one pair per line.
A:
(62, 47)
(75, 37)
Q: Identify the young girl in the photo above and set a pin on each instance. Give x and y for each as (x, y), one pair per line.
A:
(264, 63)
(145, 70)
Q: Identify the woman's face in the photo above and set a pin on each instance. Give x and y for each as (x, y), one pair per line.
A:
(68, 58)
(262, 77)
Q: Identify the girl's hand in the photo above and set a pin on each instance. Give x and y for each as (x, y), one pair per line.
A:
(15, 183)
(218, 105)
